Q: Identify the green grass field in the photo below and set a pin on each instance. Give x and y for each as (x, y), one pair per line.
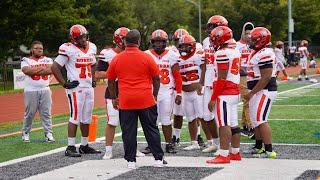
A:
(294, 118)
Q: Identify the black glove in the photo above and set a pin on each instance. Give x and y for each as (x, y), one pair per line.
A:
(71, 85)
(94, 83)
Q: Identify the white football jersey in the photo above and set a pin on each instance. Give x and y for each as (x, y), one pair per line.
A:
(303, 52)
(78, 62)
(279, 55)
(164, 61)
(263, 57)
(107, 55)
(189, 68)
(231, 56)
(245, 53)
(36, 82)
(210, 74)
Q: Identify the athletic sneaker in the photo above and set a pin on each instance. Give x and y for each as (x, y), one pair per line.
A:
(107, 155)
(25, 137)
(193, 146)
(176, 141)
(299, 79)
(247, 132)
(88, 150)
(49, 138)
(235, 157)
(170, 148)
(200, 141)
(71, 151)
(210, 148)
(140, 154)
(160, 163)
(132, 165)
(306, 78)
(219, 160)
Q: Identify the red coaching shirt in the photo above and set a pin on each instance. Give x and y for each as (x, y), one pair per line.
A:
(134, 70)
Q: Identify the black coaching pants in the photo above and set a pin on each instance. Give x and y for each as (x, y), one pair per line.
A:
(129, 125)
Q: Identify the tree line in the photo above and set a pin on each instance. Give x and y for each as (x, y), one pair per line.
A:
(22, 21)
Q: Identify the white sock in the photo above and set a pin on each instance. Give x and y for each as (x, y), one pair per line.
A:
(210, 142)
(108, 148)
(199, 130)
(84, 141)
(216, 141)
(235, 150)
(224, 153)
(177, 132)
(71, 141)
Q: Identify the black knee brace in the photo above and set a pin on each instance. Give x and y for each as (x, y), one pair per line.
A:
(235, 130)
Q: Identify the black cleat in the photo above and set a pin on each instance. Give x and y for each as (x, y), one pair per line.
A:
(170, 148)
(146, 150)
(247, 132)
(200, 141)
(88, 150)
(299, 79)
(307, 78)
(71, 151)
(175, 141)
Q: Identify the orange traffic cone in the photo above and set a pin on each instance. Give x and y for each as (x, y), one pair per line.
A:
(93, 128)
(318, 71)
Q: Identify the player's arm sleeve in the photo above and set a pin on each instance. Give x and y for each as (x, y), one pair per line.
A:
(24, 63)
(111, 72)
(63, 57)
(266, 61)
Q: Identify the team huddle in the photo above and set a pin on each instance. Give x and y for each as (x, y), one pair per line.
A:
(203, 83)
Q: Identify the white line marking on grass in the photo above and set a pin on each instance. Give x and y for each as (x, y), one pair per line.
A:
(293, 119)
(39, 128)
(299, 88)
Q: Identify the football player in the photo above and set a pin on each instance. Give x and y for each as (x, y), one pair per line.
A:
(169, 79)
(226, 95)
(263, 89)
(278, 51)
(189, 63)
(177, 109)
(209, 126)
(78, 57)
(303, 59)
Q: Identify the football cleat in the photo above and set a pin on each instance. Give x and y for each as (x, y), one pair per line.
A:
(193, 146)
(219, 160)
(170, 148)
(88, 150)
(210, 148)
(107, 155)
(71, 151)
(176, 141)
(200, 141)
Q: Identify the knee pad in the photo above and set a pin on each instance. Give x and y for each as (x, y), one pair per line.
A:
(235, 131)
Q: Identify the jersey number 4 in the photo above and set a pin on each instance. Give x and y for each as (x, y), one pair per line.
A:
(85, 70)
(235, 68)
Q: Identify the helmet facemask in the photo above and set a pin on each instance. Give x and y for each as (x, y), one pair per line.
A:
(159, 45)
